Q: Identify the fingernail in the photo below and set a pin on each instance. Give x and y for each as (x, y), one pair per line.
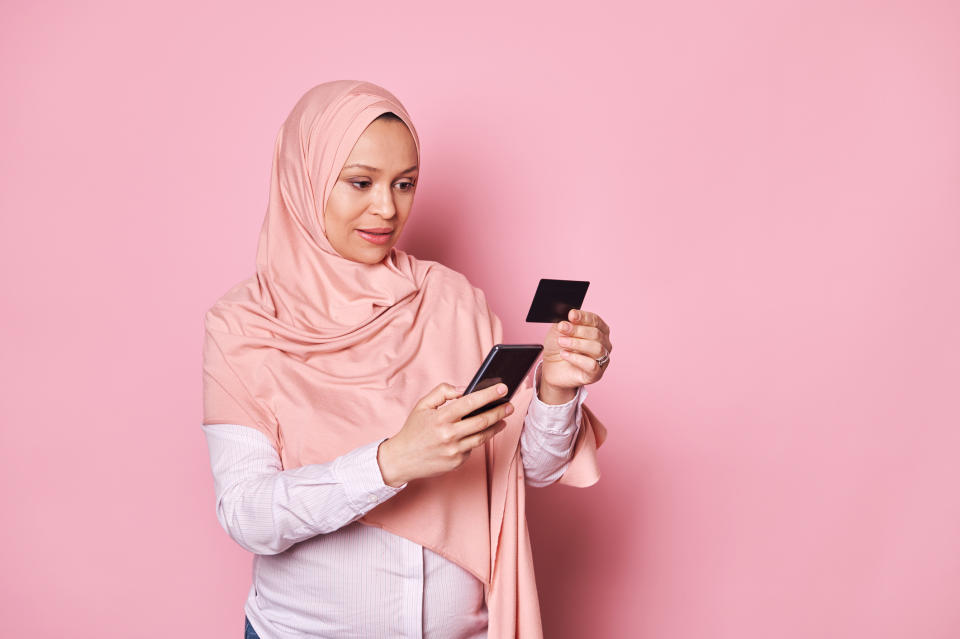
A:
(564, 326)
(509, 409)
(501, 389)
(563, 341)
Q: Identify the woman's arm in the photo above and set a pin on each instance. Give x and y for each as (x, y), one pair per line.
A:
(548, 436)
(266, 510)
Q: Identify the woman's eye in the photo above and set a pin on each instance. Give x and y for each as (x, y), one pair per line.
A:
(363, 184)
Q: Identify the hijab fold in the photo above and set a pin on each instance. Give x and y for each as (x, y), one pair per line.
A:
(323, 354)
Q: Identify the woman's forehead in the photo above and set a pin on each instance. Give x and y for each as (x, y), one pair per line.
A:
(384, 145)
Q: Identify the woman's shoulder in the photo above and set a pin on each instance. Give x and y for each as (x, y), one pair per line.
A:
(451, 281)
(469, 300)
(222, 315)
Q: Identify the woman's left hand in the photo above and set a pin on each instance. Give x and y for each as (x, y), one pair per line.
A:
(571, 351)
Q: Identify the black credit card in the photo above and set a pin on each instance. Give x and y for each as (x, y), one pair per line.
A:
(554, 299)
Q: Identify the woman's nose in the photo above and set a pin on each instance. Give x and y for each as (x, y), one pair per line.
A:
(383, 204)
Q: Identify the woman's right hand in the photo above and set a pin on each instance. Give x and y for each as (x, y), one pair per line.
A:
(435, 440)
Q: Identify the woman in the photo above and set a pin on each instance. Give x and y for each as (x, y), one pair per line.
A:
(337, 446)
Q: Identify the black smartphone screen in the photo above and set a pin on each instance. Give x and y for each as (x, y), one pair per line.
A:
(507, 363)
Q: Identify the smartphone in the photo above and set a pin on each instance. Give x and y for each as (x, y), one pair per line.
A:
(507, 363)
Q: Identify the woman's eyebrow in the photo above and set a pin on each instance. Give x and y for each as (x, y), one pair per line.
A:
(375, 169)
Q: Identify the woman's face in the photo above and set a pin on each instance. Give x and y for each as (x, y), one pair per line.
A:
(372, 197)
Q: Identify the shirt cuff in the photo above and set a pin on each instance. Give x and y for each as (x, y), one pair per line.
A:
(555, 418)
(359, 473)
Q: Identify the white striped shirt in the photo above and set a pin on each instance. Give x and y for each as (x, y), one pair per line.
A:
(317, 572)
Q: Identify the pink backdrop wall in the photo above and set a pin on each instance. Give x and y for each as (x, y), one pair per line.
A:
(765, 195)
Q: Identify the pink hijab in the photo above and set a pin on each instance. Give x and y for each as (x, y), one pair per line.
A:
(323, 354)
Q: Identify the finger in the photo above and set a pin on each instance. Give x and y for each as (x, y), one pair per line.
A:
(478, 439)
(589, 347)
(578, 330)
(481, 421)
(588, 332)
(436, 397)
(588, 365)
(468, 403)
(586, 318)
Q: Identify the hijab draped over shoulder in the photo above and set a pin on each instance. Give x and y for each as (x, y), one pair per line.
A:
(323, 354)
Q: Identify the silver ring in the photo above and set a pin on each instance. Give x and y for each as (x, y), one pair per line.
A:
(603, 360)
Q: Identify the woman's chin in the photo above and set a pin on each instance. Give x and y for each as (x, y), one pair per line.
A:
(363, 251)
(372, 254)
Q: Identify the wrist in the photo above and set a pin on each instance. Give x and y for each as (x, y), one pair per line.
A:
(391, 476)
(550, 394)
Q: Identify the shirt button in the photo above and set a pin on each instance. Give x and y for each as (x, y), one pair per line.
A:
(372, 498)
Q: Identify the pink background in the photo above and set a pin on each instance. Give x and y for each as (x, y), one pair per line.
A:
(765, 196)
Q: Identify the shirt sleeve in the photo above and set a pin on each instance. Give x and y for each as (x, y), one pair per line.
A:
(548, 436)
(266, 510)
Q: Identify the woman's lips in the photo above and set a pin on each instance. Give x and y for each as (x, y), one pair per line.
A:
(376, 236)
